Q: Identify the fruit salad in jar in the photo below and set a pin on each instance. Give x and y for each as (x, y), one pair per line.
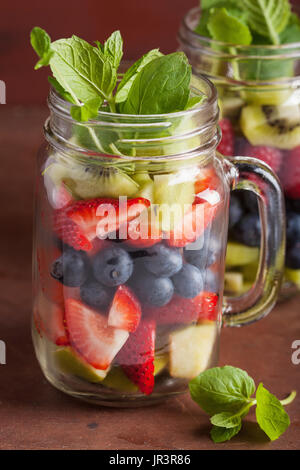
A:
(130, 233)
(252, 56)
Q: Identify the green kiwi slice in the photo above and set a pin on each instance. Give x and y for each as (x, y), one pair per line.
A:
(94, 181)
(274, 126)
(240, 255)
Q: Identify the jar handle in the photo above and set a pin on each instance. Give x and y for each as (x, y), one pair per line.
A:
(253, 175)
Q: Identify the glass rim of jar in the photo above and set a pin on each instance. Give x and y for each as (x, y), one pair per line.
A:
(205, 119)
(240, 50)
(60, 105)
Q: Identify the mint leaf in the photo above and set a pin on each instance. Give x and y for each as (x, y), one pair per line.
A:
(61, 91)
(113, 48)
(162, 86)
(267, 17)
(41, 43)
(219, 434)
(131, 73)
(207, 4)
(226, 420)
(193, 101)
(88, 110)
(224, 26)
(270, 414)
(222, 389)
(201, 27)
(82, 70)
(292, 32)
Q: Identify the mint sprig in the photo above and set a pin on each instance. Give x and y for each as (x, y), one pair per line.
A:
(267, 21)
(225, 393)
(87, 76)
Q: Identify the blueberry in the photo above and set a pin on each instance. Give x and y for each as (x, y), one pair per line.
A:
(212, 281)
(188, 282)
(112, 266)
(248, 230)
(293, 257)
(71, 268)
(204, 257)
(163, 261)
(295, 204)
(235, 209)
(250, 202)
(96, 295)
(151, 289)
(292, 228)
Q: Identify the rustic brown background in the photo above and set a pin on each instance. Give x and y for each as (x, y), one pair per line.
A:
(143, 24)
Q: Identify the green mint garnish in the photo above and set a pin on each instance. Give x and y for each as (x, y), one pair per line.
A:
(87, 77)
(228, 26)
(267, 21)
(225, 393)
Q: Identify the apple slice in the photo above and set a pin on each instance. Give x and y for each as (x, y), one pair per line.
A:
(69, 362)
(191, 350)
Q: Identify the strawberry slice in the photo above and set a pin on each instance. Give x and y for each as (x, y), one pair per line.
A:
(137, 236)
(125, 311)
(49, 319)
(193, 223)
(185, 311)
(91, 336)
(206, 179)
(137, 357)
(81, 222)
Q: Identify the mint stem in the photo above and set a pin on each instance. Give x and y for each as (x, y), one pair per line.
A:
(235, 65)
(289, 399)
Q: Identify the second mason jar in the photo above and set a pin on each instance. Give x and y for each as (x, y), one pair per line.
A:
(259, 99)
(129, 251)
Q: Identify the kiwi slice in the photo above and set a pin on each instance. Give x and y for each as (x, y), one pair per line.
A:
(272, 96)
(233, 282)
(250, 271)
(293, 275)
(240, 255)
(274, 126)
(91, 182)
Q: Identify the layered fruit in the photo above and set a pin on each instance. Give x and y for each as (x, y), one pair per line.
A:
(265, 124)
(128, 275)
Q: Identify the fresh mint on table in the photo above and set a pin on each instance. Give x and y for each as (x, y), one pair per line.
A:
(225, 393)
(87, 76)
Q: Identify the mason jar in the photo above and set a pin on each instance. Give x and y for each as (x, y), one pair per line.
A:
(129, 250)
(259, 98)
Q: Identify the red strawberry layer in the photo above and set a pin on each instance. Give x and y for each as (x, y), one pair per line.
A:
(125, 311)
(269, 155)
(49, 319)
(185, 311)
(193, 223)
(91, 336)
(137, 357)
(81, 222)
(291, 174)
(226, 146)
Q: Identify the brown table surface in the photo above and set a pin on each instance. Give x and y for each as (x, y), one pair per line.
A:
(33, 415)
